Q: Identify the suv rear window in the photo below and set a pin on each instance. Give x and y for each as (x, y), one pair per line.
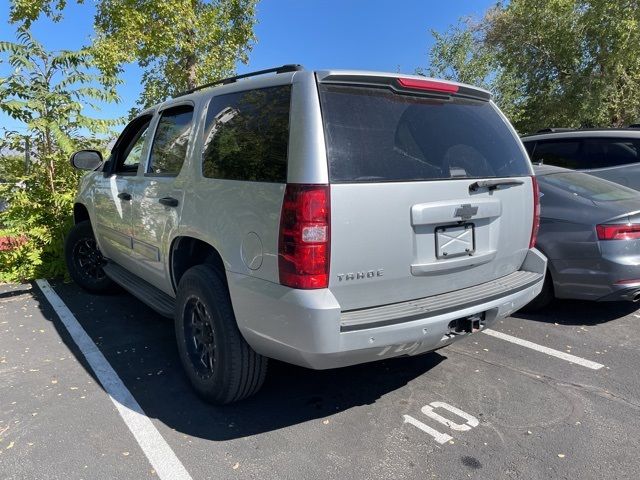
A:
(375, 135)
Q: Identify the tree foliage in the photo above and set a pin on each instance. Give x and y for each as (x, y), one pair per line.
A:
(567, 63)
(179, 44)
(28, 11)
(462, 55)
(48, 93)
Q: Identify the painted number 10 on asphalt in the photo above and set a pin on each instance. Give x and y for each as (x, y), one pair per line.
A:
(429, 410)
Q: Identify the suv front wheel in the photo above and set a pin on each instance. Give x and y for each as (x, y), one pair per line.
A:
(220, 364)
(84, 260)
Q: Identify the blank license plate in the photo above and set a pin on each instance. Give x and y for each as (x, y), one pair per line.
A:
(455, 240)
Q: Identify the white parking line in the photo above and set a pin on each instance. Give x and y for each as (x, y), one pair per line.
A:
(160, 455)
(549, 351)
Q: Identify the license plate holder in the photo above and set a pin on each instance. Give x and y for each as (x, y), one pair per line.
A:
(455, 240)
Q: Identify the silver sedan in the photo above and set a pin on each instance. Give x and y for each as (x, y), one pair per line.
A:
(590, 232)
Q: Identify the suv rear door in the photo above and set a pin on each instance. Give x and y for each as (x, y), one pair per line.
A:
(410, 214)
(160, 192)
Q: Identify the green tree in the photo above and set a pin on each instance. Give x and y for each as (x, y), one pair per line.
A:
(12, 167)
(179, 44)
(28, 11)
(48, 92)
(461, 54)
(572, 63)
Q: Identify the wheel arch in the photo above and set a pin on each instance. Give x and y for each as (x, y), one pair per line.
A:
(187, 251)
(80, 213)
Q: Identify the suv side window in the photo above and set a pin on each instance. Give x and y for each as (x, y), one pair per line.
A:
(130, 146)
(170, 141)
(246, 135)
(609, 152)
(560, 153)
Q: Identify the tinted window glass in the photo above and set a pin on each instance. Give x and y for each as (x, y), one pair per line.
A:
(561, 153)
(588, 186)
(246, 136)
(170, 141)
(134, 151)
(609, 152)
(529, 147)
(128, 149)
(375, 135)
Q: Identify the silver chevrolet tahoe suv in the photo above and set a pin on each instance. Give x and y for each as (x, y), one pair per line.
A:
(321, 218)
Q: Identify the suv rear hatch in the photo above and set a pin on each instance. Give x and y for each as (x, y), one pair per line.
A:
(431, 191)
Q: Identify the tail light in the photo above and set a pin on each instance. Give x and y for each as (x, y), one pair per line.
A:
(629, 231)
(536, 212)
(303, 248)
(632, 281)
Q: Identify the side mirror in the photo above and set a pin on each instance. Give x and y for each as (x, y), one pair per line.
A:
(86, 159)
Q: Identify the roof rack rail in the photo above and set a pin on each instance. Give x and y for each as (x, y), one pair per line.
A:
(224, 81)
(554, 130)
(634, 125)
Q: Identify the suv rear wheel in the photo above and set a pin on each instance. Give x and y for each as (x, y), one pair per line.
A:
(84, 260)
(218, 361)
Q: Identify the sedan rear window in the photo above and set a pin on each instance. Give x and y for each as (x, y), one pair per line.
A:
(376, 135)
(588, 186)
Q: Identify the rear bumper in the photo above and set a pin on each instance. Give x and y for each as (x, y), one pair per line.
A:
(622, 293)
(307, 327)
(595, 278)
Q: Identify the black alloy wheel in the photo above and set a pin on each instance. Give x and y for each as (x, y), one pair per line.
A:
(200, 335)
(220, 364)
(84, 260)
(89, 259)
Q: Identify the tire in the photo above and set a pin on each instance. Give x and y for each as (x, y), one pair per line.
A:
(84, 260)
(220, 364)
(544, 298)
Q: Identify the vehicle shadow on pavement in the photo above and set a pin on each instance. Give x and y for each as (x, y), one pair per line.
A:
(140, 346)
(580, 312)
(8, 294)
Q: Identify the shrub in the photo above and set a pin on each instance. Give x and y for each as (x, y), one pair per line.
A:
(34, 225)
(47, 92)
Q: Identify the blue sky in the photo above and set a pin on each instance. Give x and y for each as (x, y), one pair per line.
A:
(360, 34)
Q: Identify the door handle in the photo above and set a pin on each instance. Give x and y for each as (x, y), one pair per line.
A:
(124, 196)
(169, 201)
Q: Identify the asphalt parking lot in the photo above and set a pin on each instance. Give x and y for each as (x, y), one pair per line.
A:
(484, 408)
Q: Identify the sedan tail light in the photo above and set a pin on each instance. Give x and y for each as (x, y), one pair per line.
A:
(628, 231)
(303, 248)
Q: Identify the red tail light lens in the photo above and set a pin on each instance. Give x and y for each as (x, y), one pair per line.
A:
(303, 249)
(536, 212)
(631, 281)
(427, 85)
(629, 231)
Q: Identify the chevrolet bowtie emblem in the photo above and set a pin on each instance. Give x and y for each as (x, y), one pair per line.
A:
(465, 212)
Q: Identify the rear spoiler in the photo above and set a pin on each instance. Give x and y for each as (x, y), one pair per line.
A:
(414, 86)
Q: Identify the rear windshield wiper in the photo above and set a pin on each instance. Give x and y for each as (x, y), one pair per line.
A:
(493, 184)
